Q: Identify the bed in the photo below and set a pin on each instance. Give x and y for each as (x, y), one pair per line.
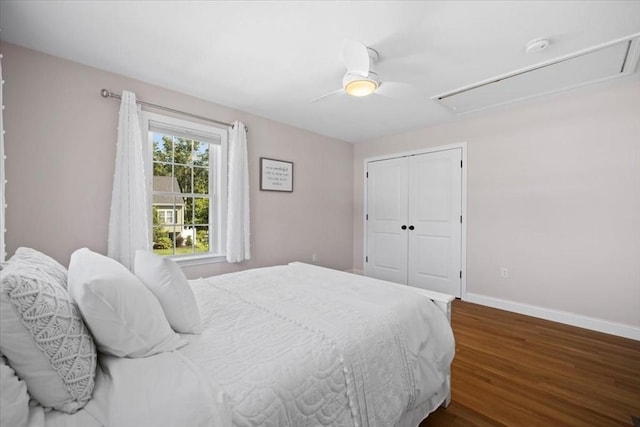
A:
(291, 345)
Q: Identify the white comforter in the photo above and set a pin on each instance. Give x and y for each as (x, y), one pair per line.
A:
(300, 345)
(165, 390)
(292, 345)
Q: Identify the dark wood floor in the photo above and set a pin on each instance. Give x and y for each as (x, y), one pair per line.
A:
(514, 370)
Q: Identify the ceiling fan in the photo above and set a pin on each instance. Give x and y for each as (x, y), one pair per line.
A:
(362, 79)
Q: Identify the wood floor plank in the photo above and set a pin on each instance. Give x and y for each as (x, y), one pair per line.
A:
(515, 370)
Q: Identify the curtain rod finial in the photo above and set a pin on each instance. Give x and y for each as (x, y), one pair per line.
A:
(105, 93)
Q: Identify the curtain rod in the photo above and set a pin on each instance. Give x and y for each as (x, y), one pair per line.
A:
(106, 94)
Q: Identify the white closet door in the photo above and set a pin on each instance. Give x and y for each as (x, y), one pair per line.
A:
(387, 210)
(435, 206)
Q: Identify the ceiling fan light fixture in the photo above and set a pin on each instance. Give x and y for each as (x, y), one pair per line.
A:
(361, 87)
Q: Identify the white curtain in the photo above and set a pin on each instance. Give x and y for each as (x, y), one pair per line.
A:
(2, 199)
(129, 219)
(238, 248)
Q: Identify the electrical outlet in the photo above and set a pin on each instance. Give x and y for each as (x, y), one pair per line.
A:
(504, 272)
(314, 258)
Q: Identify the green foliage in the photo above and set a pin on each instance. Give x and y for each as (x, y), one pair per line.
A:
(159, 237)
(162, 243)
(156, 220)
(188, 241)
(201, 211)
(202, 237)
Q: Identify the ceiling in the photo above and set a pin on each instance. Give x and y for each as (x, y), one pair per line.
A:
(271, 58)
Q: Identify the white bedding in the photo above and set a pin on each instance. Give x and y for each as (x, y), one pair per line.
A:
(300, 345)
(294, 345)
(161, 390)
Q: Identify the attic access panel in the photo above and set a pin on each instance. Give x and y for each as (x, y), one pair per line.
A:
(597, 64)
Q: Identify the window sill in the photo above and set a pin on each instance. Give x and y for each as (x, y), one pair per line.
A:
(189, 260)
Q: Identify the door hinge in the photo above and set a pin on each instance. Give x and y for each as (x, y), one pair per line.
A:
(461, 274)
(367, 217)
(460, 219)
(366, 259)
(460, 163)
(367, 174)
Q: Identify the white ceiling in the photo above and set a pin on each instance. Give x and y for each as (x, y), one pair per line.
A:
(271, 58)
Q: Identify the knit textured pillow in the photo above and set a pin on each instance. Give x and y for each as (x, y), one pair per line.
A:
(43, 335)
(38, 261)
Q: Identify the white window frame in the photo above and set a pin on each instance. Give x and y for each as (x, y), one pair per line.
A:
(217, 181)
(162, 214)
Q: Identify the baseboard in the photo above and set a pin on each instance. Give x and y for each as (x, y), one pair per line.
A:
(595, 324)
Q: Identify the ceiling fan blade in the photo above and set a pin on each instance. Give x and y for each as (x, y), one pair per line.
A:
(338, 92)
(356, 57)
(399, 90)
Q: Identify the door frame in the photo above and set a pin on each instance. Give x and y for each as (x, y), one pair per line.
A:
(463, 231)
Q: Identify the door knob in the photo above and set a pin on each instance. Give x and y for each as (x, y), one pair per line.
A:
(411, 227)
(404, 227)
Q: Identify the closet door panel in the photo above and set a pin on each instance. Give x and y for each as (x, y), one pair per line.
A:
(387, 213)
(435, 205)
(434, 253)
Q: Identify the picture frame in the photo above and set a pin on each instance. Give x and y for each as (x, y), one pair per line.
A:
(276, 175)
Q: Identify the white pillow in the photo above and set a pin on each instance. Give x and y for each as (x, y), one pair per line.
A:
(14, 400)
(126, 320)
(164, 278)
(42, 334)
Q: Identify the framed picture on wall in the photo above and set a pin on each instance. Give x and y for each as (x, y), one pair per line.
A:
(276, 175)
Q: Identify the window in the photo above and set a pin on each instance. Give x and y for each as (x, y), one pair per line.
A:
(165, 216)
(187, 169)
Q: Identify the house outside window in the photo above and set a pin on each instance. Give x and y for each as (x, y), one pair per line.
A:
(187, 166)
(167, 209)
(166, 216)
